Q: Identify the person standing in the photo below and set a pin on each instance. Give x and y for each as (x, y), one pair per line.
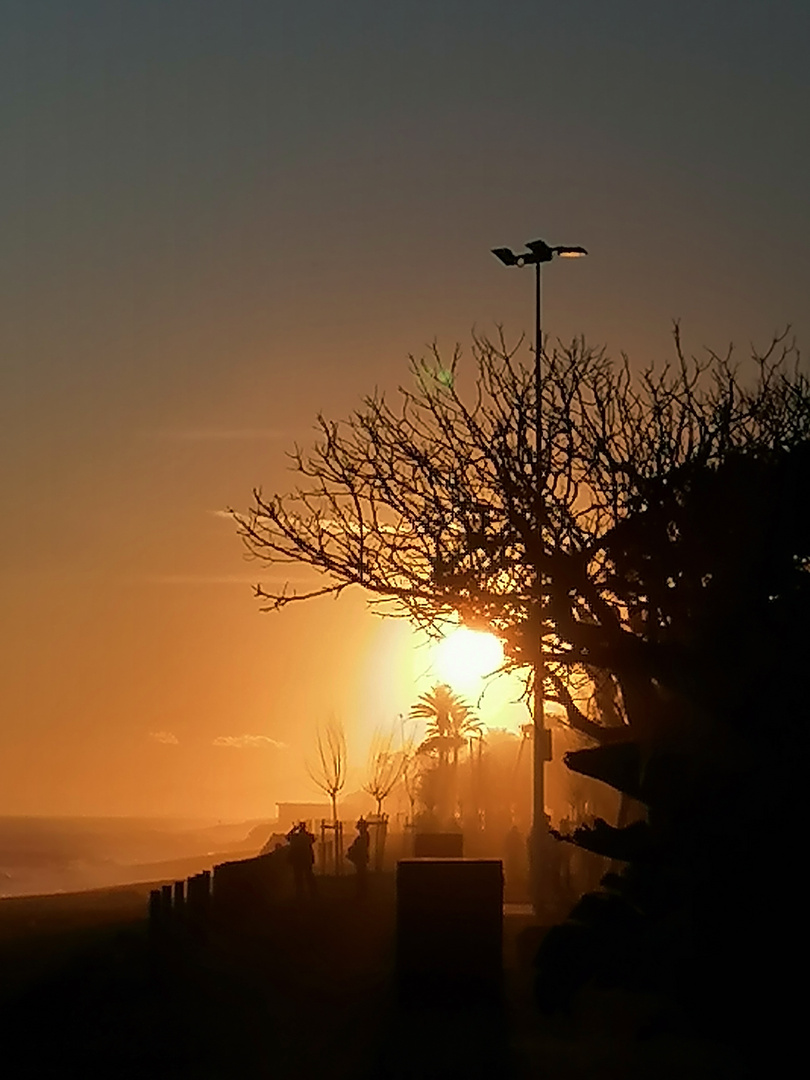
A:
(302, 859)
(358, 854)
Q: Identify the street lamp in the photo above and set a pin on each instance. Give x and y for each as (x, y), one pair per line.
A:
(538, 253)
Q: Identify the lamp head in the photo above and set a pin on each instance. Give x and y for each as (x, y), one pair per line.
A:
(570, 252)
(541, 251)
(506, 255)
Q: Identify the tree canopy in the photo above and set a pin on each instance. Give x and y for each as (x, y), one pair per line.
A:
(669, 536)
(663, 577)
(450, 721)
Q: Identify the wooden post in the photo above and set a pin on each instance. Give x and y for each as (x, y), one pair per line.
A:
(198, 901)
(166, 902)
(193, 898)
(155, 910)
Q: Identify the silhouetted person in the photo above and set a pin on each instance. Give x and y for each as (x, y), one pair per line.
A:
(301, 854)
(358, 854)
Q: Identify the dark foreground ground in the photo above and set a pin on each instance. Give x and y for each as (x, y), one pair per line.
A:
(308, 992)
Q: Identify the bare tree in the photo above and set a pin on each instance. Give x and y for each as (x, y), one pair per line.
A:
(410, 779)
(385, 766)
(328, 771)
(431, 506)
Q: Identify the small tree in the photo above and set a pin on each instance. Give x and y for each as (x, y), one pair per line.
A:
(385, 767)
(410, 780)
(329, 769)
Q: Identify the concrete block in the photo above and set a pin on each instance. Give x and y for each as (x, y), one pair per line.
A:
(450, 920)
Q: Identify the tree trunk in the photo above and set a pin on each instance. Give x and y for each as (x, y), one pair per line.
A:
(454, 784)
(443, 782)
(335, 830)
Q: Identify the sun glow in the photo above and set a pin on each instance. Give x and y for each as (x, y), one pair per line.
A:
(465, 657)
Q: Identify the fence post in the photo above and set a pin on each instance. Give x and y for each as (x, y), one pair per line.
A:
(166, 902)
(338, 848)
(155, 911)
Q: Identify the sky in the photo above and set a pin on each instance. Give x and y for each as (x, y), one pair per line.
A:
(222, 216)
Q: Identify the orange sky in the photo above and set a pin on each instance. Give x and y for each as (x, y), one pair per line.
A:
(223, 217)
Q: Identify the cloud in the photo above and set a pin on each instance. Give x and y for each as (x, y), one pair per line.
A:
(167, 738)
(241, 742)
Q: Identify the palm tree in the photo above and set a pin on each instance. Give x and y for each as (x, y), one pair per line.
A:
(450, 722)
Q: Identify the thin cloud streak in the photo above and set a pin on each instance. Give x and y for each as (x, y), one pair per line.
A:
(252, 742)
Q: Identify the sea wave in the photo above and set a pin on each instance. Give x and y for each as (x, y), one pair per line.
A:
(52, 855)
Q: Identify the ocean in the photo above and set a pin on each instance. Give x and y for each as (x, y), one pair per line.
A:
(42, 855)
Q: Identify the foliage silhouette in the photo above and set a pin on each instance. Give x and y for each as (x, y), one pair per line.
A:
(450, 722)
(663, 578)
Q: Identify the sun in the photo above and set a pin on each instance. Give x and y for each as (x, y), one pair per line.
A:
(465, 657)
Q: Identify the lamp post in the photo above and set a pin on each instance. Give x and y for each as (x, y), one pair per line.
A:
(538, 253)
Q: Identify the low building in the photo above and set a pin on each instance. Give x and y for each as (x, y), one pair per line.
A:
(290, 813)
